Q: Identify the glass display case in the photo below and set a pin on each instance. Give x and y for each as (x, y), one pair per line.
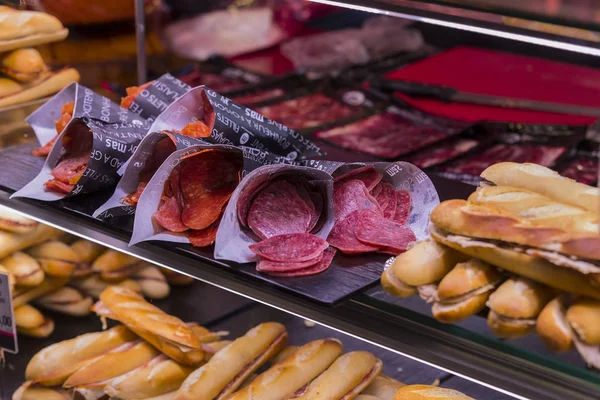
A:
(304, 111)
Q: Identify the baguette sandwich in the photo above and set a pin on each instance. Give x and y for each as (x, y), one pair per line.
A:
(167, 333)
(553, 328)
(86, 252)
(13, 222)
(427, 392)
(12, 241)
(24, 295)
(20, 29)
(55, 257)
(153, 283)
(22, 92)
(425, 263)
(66, 300)
(31, 322)
(93, 285)
(24, 268)
(27, 391)
(566, 261)
(116, 266)
(383, 387)
(231, 366)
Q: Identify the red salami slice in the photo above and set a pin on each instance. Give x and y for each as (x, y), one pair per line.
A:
(317, 201)
(368, 174)
(377, 189)
(351, 196)
(168, 215)
(313, 269)
(204, 237)
(274, 266)
(292, 247)
(403, 203)
(58, 186)
(279, 210)
(70, 169)
(389, 193)
(207, 180)
(373, 229)
(248, 194)
(343, 238)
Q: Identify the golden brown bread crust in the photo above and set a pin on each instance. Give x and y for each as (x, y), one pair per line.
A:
(13, 222)
(115, 266)
(383, 387)
(55, 257)
(538, 209)
(544, 181)
(520, 298)
(54, 82)
(23, 65)
(66, 300)
(520, 263)
(153, 283)
(453, 312)
(488, 222)
(427, 392)
(466, 277)
(11, 242)
(509, 328)
(167, 333)
(584, 318)
(227, 369)
(87, 251)
(394, 286)
(286, 377)
(553, 328)
(27, 391)
(283, 354)
(25, 295)
(24, 268)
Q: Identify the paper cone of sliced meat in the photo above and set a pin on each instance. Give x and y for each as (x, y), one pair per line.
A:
(380, 207)
(74, 101)
(279, 217)
(85, 159)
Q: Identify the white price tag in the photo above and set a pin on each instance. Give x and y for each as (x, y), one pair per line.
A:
(8, 331)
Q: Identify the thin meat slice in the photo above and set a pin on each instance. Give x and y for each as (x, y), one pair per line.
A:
(70, 169)
(374, 230)
(58, 186)
(168, 215)
(343, 238)
(377, 189)
(368, 174)
(204, 237)
(247, 195)
(403, 203)
(317, 200)
(292, 247)
(319, 267)
(207, 181)
(274, 266)
(279, 210)
(388, 192)
(351, 196)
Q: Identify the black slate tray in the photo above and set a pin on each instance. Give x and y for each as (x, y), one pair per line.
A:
(346, 276)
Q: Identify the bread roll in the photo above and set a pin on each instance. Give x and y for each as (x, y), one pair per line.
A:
(153, 283)
(11, 221)
(56, 258)
(553, 328)
(30, 322)
(11, 241)
(383, 387)
(26, 295)
(115, 266)
(584, 318)
(86, 252)
(66, 300)
(24, 268)
(545, 181)
(427, 392)
(27, 391)
(23, 65)
(54, 82)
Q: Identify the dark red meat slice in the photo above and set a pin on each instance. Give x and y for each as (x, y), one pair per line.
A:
(313, 269)
(368, 174)
(218, 83)
(352, 196)
(388, 197)
(70, 169)
(259, 96)
(206, 181)
(274, 266)
(403, 203)
(584, 171)
(343, 238)
(317, 201)
(292, 247)
(377, 189)
(432, 156)
(384, 135)
(133, 198)
(58, 186)
(279, 210)
(247, 195)
(204, 237)
(373, 229)
(168, 215)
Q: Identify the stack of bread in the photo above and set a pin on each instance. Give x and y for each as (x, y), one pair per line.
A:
(24, 75)
(153, 355)
(50, 270)
(526, 245)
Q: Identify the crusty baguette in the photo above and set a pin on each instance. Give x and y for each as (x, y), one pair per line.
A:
(54, 82)
(115, 266)
(383, 387)
(519, 263)
(11, 242)
(176, 278)
(515, 306)
(24, 295)
(27, 391)
(153, 283)
(24, 268)
(112, 364)
(358, 369)
(553, 328)
(584, 317)
(286, 377)
(206, 336)
(20, 29)
(427, 392)
(30, 322)
(538, 209)
(66, 300)
(167, 333)
(544, 181)
(55, 257)
(160, 376)
(228, 369)
(54, 364)
(13, 222)
(283, 354)
(426, 262)
(86, 252)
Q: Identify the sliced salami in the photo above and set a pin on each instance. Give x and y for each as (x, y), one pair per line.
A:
(291, 247)
(388, 196)
(279, 210)
(168, 215)
(351, 196)
(319, 267)
(317, 200)
(274, 266)
(245, 198)
(373, 229)
(403, 204)
(207, 181)
(204, 237)
(368, 174)
(377, 189)
(343, 238)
